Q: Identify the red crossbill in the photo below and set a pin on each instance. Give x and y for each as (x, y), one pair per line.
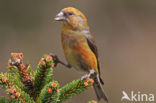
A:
(79, 46)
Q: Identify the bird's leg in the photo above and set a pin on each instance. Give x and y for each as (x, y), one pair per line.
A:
(91, 72)
(57, 60)
(66, 65)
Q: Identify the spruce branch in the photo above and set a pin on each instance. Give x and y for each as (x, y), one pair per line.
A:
(93, 101)
(30, 70)
(16, 61)
(26, 86)
(3, 99)
(74, 88)
(44, 73)
(5, 80)
(15, 77)
(15, 93)
(50, 93)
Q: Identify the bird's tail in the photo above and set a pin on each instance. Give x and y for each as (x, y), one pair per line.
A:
(98, 89)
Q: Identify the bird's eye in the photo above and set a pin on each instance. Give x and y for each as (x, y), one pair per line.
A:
(70, 13)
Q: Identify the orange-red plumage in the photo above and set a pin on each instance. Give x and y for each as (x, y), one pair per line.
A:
(79, 46)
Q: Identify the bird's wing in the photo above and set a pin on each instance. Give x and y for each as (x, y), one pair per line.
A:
(92, 45)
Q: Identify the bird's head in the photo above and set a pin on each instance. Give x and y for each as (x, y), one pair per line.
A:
(72, 18)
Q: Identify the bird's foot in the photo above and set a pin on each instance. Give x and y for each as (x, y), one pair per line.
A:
(91, 72)
(68, 65)
(84, 77)
(88, 75)
(57, 60)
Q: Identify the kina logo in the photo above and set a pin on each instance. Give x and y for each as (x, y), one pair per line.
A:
(137, 96)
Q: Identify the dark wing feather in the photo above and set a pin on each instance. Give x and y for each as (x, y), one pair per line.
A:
(92, 45)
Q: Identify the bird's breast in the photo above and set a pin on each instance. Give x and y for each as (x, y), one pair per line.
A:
(78, 53)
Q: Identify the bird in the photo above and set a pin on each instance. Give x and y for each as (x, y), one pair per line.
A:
(79, 47)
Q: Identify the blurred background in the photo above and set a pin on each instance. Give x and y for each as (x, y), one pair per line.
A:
(125, 32)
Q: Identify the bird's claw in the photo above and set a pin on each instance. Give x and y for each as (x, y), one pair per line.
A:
(55, 58)
(85, 77)
(88, 75)
(68, 65)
